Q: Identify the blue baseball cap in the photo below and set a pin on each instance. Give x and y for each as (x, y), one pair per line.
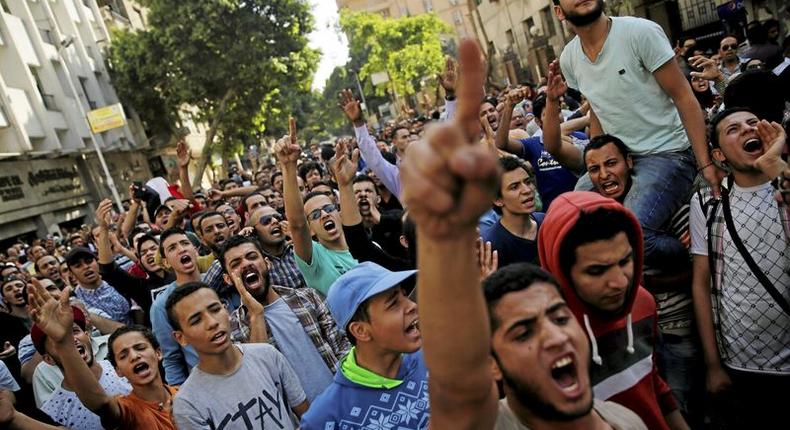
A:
(357, 285)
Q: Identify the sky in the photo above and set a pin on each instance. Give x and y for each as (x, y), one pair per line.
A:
(329, 39)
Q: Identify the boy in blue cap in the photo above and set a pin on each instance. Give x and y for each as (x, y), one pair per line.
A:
(383, 380)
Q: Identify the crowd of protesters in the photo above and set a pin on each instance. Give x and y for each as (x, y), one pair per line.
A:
(605, 249)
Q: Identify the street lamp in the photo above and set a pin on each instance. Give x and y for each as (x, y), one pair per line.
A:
(65, 43)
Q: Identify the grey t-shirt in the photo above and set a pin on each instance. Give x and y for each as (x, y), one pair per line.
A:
(298, 348)
(617, 416)
(259, 394)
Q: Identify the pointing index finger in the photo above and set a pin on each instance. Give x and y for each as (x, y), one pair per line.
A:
(470, 87)
(292, 129)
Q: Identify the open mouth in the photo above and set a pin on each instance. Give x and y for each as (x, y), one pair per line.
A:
(413, 328)
(276, 231)
(563, 371)
(82, 351)
(185, 259)
(329, 226)
(219, 338)
(364, 205)
(140, 368)
(610, 187)
(220, 240)
(250, 277)
(753, 145)
(150, 261)
(19, 296)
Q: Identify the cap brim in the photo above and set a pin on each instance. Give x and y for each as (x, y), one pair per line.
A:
(388, 282)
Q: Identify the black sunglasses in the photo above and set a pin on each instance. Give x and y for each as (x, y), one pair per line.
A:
(267, 219)
(728, 47)
(316, 213)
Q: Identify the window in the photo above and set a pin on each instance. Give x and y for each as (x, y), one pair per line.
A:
(548, 22)
(427, 5)
(491, 48)
(510, 39)
(526, 25)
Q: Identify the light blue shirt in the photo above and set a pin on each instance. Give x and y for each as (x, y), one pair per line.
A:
(325, 267)
(297, 348)
(621, 88)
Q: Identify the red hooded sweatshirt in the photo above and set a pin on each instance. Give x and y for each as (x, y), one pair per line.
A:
(622, 342)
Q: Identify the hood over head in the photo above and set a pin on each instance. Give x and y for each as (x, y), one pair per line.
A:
(560, 219)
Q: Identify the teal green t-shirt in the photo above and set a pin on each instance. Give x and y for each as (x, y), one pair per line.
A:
(622, 90)
(327, 265)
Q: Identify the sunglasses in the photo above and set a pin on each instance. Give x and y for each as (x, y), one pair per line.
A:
(728, 47)
(316, 213)
(267, 219)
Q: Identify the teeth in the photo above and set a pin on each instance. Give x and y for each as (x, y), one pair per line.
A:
(571, 388)
(562, 363)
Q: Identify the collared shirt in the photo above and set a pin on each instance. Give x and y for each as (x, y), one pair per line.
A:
(314, 316)
(106, 298)
(284, 271)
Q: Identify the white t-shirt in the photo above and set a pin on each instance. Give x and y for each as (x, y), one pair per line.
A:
(66, 409)
(754, 329)
(622, 90)
(259, 394)
(617, 416)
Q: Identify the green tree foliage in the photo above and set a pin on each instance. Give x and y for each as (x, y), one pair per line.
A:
(407, 48)
(235, 62)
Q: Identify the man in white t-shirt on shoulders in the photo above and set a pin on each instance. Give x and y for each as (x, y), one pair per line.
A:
(743, 320)
(627, 70)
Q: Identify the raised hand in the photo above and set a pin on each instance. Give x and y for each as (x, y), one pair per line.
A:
(103, 214)
(774, 138)
(488, 259)
(709, 70)
(556, 86)
(448, 78)
(344, 168)
(448, 178)
(214, 194)
(286, 149)
(54, 317)
(350, 106)
(183, 155)
(253, 306)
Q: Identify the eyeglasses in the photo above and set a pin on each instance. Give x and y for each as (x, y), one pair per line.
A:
(728, 47)
(267, 219)
(316, 213)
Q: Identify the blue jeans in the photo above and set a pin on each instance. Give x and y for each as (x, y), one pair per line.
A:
(660, 185)
(680, 364)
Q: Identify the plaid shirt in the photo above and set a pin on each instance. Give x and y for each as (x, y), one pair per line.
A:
(283, 270)
(314, 316)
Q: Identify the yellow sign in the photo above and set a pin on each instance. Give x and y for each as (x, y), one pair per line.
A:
(106, 118)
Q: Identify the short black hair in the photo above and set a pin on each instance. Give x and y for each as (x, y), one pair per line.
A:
(205, 215)
(165, 234)
(512, 278)
(254, 193)
(601, 223)
(364, 178)
(307, 167)
(759, 91)
(274, 175)
(602, 140)
(538, 105)
(234, 242)
(142, 239)
(312, 194)
(490, 100)
(145, 331)
(713, 134)
(179, 294)
(509, 164)
(399, 127)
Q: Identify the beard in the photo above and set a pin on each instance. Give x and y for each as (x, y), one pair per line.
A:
(579, 20)
(529, 398)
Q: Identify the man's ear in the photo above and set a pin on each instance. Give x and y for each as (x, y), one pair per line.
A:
(629, 161)
(360, 330)
(49, 360)
(495, 370)
(718, 155)
(498, 202)
(558, 11)
(178, 335)
(403, 241)
(227, 278)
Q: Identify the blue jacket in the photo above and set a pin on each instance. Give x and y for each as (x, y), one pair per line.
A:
(347, 405)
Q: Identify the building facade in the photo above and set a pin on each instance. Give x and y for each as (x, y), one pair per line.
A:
(52, 72)
(456, 13)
